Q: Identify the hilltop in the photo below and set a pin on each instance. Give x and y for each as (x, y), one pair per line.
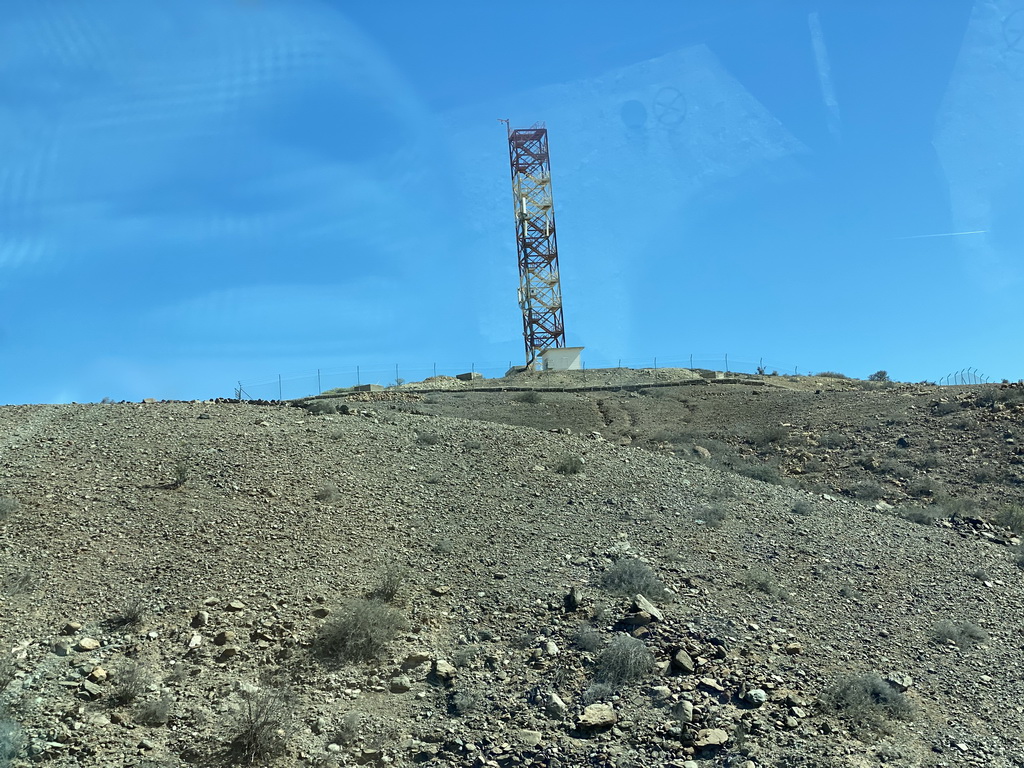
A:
(628, 569)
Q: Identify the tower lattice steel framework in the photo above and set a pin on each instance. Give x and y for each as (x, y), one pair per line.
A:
(540, 293)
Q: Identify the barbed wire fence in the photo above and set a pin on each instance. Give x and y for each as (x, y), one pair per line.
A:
(290, 387)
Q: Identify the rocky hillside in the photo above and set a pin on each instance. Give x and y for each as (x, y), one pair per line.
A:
(695, 574)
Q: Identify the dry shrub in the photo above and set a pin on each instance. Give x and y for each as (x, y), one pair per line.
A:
(624, 660)
(261, 730)
(867, 701)
(361, 630)
(630, 576)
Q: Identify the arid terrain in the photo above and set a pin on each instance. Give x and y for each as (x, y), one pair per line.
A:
(600, 568)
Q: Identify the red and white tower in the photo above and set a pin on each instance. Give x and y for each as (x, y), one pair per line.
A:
(540, 293)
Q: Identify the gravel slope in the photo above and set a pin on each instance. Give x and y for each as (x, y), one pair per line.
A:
(204, 519)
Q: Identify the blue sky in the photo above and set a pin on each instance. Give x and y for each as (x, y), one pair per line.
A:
(203, 192)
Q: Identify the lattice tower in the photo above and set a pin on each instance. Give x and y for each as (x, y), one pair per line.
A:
(540, 293)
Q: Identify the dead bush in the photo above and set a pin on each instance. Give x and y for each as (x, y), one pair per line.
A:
(262, 727)
(390, 582)
(569, 465)
(762, 581)
(867, 701)
(131, 680)
(1011, 516)
(8, 506)
(360, 631)
(963, 634)
(328, 493)
(587, 638)
(625, 660)
(630, 576)
(712, 515)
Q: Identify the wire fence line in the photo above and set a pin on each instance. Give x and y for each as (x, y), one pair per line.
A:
(290, 387)
(964, 376)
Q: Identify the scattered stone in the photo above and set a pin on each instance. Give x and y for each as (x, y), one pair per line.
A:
(87, 644)
(235, 606)
(901, 683)
(701, 451)
(224, 637)
(660, 693)
(195, 641)
(710, 737)
(555, 707)
(685, 711)
(228, 652)
(71, 628)
(444, 671)
(794, 649)
(62, 648)
(415, 658)
(598, 716)
(98, 675)
(201, 619)
(440, 591)
(321, 612)
(682, 662)
(642, 605)
(91, 689)
(530, 738)
(401, 684)
(756, 697)
(572, 600)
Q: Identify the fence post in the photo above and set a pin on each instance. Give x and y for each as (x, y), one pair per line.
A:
(358, 382)
(655, 363)
(691, 362)
(726, 362)
(396, 373)
(319, 389)
(435, 370)
(280, 391)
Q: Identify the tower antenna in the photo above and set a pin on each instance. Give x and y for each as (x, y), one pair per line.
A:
(540, 292)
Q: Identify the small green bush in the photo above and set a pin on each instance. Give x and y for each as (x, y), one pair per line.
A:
(769, 436)
(867, 701)
(321, 407)
(879, 376)
(624, 660)
(832, 375)
(803, 507)
(631, 576)
(765, 473)
(360, 631)
(531, 397)
(835, 440)
(154, 712)
(868, 490)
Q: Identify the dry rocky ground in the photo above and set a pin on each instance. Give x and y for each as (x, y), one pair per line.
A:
(669, 571)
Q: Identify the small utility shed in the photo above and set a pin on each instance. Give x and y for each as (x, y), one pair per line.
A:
(561, 358)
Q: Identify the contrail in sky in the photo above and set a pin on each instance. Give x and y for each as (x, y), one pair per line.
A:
(945, 234)
(828, 92)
